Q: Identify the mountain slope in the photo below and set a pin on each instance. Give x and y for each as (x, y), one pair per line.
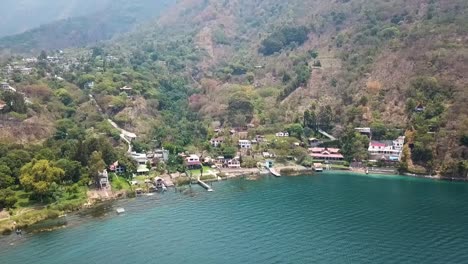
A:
(113, 17)
(370, 62)
(22, 15)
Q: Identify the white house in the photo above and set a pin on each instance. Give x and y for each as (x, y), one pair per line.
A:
(386, 150)
(215, 142)
(140, 158)
(233, 163)
(245, 144)
(282, 134)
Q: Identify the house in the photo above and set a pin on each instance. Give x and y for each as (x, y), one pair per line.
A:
(126, 88)
(233, 163)
(192, 162)
(160, 154)
(4, 86)
(386, 150)
(2, 105)
(140, 158)
(216, 142)
(314, 142)
(219, 160)
(366, 131)
(325, 154)
(142, 169)
(117, 168)
(282, 134)
(245, 144)
(26, 70)
(103, 179)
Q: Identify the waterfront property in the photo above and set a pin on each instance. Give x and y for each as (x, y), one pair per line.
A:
(193, 162)
(325, 153)
(386, 150)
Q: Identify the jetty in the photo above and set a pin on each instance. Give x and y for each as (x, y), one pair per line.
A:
(274, 172)
(204, 185)
(318, 167)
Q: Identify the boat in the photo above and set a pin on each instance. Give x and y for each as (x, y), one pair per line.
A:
(120, 210)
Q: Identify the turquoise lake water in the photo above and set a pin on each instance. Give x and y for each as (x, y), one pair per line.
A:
(329, 218)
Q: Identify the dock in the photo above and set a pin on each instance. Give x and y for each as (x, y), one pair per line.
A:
(204, 185)
(318, 167)
(274, 172)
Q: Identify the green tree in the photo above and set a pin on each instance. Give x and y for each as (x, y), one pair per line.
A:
(72, 170)
(7, 198)
(5, 177)
(296, 130)
(96, 165)
(39, 176)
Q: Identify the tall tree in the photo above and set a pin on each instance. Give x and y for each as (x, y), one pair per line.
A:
(39, 176)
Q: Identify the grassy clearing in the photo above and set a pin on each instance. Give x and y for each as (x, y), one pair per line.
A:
(119, 183)
(196, 172)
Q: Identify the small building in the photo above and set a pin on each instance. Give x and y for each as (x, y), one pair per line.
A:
(366, 131)
(233, 163)
(219, 160)
(103, 179)
(216, 142)
(314, 142)
(282, 134)
(245, 144)
(142, 169)
(159, 154)
(140, 158)
(126, 88)
(193, 162)
(325, 154)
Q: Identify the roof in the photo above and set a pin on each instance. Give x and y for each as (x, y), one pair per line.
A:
(377, 144)
(330, 150)
(142, 168)
(326, 155)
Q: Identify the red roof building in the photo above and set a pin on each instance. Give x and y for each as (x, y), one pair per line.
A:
(326, 153)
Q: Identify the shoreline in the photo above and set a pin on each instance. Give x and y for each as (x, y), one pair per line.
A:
(249, 175)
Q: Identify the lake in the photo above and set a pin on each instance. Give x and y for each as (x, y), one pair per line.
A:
(326, 218)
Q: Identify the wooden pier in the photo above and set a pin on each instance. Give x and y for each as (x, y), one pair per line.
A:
(204, 185)
(274, 172)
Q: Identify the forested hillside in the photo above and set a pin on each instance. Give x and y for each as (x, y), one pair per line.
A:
(73, 23)
(396, 66)
(346, 63)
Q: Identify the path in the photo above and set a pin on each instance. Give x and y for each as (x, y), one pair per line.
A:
(326, 134)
